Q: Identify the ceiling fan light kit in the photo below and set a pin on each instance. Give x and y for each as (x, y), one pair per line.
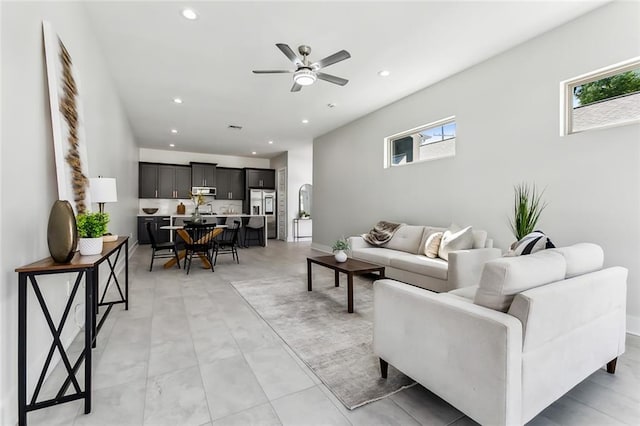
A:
(304, 77)
(306, 73)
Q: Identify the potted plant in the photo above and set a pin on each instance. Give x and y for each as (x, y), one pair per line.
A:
(527, 207)
(198, 200)
(339, 248)
(91, 228)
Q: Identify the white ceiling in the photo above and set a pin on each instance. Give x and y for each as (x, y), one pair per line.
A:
(155, 55)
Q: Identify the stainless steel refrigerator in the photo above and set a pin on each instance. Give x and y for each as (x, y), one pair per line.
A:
(263, 201)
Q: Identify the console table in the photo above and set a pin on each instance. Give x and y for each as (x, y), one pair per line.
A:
(86, 267)
(296, 228)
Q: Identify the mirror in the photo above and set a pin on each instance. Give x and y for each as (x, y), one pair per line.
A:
(305, 195)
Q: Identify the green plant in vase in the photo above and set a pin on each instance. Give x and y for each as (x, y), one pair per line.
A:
(91, 228)
(339, 249)
(528, 206)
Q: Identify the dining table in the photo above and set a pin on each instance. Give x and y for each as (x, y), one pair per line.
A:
(180, 230)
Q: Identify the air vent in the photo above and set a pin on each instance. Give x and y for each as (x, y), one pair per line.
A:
(234, 127)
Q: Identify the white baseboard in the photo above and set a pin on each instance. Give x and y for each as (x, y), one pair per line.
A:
(633, 325)
(321, 247)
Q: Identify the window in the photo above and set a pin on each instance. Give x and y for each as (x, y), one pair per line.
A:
(429, 142)
(603, 98)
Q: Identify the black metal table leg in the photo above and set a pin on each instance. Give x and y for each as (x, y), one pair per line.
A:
(89, 337)
(22, 349)
(126, 275)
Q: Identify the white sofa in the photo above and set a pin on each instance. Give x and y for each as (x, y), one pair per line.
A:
(404, 260)
(564, 319)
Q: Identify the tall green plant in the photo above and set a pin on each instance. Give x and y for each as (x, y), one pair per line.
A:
(92, 225)
(526, 210)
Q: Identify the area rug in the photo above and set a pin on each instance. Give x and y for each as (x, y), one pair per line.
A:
(336, 345)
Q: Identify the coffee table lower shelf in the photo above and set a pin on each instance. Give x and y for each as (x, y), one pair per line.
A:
(351, 267)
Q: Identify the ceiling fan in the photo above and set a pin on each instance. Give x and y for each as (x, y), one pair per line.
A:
(306, 73)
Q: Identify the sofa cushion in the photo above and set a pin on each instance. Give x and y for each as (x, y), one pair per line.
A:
(432, 245)
(377, 255)
(582, 258)
(419, 264)
(407, 238)
(465, 292)
(479, 238)
(503, 278)
(455, 240)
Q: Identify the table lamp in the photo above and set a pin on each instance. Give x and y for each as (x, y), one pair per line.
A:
(103, 190)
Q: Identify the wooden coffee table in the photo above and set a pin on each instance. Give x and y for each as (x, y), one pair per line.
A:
(351, 267)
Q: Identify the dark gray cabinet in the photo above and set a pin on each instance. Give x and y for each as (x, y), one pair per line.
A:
(161, 235)
(203, 174)
(229, 184)
(261, 178)
(164, 181)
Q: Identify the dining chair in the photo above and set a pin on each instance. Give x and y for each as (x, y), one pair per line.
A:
(228, 245)
(161, 250)
(254, 226)
(201, 242)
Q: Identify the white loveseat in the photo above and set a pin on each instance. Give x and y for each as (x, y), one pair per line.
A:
(503, 368)
(404, 260)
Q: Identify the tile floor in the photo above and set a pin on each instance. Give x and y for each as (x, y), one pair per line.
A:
(191, 351)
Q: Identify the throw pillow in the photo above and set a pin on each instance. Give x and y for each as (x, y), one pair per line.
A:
(530, 244)
(458, 240)
(432, 245)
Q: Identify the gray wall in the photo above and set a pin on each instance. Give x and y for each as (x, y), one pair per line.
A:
(507, 111)
(28, 179)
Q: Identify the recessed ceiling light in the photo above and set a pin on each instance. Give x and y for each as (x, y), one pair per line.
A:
(174, 131)
(177, 100)
(270, 142)
(384, 73)
(253, 152)
(172, 145)
(189, 14)
(305, 121)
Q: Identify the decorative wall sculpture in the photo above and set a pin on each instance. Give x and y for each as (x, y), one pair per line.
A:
(67, 121)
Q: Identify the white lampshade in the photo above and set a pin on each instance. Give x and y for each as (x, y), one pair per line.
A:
(103, 190)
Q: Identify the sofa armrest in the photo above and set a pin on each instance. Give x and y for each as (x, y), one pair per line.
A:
(467, 354)
(358, 242)
(465, 266)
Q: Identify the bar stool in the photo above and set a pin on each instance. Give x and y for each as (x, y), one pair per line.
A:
(255, 225)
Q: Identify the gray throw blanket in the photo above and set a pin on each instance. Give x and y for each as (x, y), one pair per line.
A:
(381, 233)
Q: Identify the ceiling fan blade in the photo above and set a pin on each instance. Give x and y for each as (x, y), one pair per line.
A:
(296, 87)
(330, 60)
(332, 78)
(284, 48)
(272, 71)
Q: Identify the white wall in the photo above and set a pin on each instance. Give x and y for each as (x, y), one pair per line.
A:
(299, 164)
(507, 112)
(182, 157)
(299, 172)
(28, 180)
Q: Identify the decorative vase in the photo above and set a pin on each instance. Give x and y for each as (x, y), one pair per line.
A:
(340, 256)
(195, 216)
(90, 246)
(62, 233)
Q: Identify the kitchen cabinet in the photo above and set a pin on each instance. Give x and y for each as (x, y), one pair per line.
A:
(164, 181)
(162, 235)
(261, 178)
(203, 174)
(229, 184)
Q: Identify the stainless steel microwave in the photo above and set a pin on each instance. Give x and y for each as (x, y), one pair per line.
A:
(204, 190)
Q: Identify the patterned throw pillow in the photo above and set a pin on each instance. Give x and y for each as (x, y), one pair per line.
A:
(432, 245)
(531, 243)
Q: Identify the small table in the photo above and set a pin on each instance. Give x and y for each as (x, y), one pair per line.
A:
(351, 267)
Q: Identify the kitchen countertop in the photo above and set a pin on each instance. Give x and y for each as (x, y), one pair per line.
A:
(201, 214)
